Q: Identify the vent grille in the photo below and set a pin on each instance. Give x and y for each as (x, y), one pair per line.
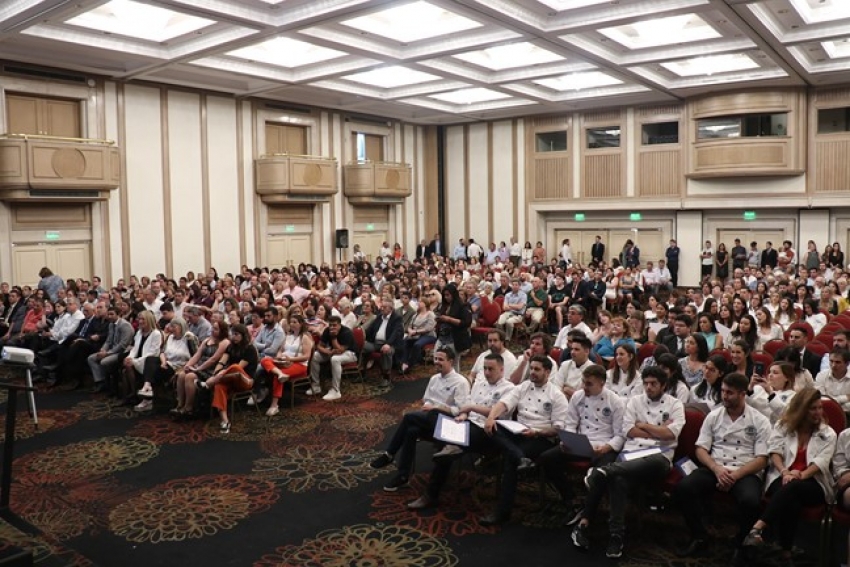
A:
(44, 73)
(76, 195)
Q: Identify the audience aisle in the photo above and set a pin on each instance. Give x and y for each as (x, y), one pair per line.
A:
(110, 488)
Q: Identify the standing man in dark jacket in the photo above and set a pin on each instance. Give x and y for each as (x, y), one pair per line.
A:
(672, 255)
(597, 251)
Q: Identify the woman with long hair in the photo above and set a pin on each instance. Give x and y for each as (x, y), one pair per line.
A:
(813, 315)
(787, 315)
(292, 360)
(801, 449)
(721, 262)
(200, 367)
(616, 336)
(603, 325)
(724, 316)
(147, 343)
(693, 363)
(708, 390)
(676, 385)
(770, 394)
(827, 303)
(706, 328)
(179, 348)
(624, 378)
(233, 373)
(836, 258)
(741, 354)
(453, 320)
(638, 329)
(767, 329)
(802, 296)
(527, 254)
(746, 331)
(419, 334)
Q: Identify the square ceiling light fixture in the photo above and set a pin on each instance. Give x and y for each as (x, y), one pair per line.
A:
(470, 96)
(686, 28)
(286, 52)
(523, 54)
(412, 22)
(391, 77)
(837, 49)
(141, 21)
(561, 5)
(711, 65)
(579, 81)
(819, 11)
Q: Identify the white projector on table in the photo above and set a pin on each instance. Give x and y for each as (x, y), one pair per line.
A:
(14, 355)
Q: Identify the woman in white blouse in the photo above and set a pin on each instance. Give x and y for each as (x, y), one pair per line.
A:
(708, 390)
(624, 378)
(767, 330)
(419, 334)
(146, 344)
(771, 395)
(813, 315)
(801, 449)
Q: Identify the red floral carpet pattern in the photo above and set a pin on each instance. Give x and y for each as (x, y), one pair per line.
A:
(367, 546)
(307, 467)
(191, 508)
(47, 420)
(88, 458)
(248, 425)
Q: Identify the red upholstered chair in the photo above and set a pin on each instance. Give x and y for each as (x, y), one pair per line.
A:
(646, 350)
(832, 327)
(555, 354)
(356, 368)
(824, 339)
(501, 301)
(722, 352)
(762, 358)
(772, 347)
(686, 446)
(810, 333)
(817, 348)
(843, 320)
(834, 415)
(490, 312)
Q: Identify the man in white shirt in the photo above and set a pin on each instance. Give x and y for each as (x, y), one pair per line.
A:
(542, 409)
(597, 413)
(664, 276)
(652, 422)
(489, 388)
(649, 279)
(570, 375)
(839, 341)
(515, 251)
(447, 393)
(575, 322)
(459, 253)
(474, 249)
(496, 345)
(732, 450)
(152, 303)
(539, 345)
(835, 382)
(516, 302)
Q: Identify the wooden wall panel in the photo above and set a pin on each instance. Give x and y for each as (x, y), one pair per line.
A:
(371, 214)
(31, 216)
(659, 173)
(832, 166)
(552, 178)
(602, 175)
(743, 103)
(750, 155)
(290, 214)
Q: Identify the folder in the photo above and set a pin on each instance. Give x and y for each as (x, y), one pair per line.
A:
(450, 431)
(576, 444)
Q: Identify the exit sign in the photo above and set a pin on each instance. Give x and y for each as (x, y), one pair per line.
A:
(635, 217)
(52, 235)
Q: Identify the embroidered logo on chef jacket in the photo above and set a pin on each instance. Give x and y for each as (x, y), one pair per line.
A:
(496, 396)
(606, 411)
(750, 431)
(547, 406)
(665, 417)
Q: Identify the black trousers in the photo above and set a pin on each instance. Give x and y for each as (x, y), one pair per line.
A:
(414, 425)
(514, 448)
(479, 442)
(554, 463)
(782, 513)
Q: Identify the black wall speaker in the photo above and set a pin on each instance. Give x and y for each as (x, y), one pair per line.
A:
(342, 238)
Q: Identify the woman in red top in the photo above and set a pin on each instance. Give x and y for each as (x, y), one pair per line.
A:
(801, 449)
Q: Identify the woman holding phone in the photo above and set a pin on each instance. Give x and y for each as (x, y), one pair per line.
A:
(771, 394)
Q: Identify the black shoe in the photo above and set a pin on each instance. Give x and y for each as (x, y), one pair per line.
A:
(615, 546)
(494, 519)
(740, 558)
(397, 482)
(579, 537)
(50, 367)
(98, 388)
(382, 461)
(695, 547)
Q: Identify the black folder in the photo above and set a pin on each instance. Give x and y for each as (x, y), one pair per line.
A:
(576, 444)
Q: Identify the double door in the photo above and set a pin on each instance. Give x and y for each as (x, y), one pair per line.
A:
(650, 242)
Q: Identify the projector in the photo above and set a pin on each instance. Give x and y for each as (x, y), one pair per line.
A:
(14, 355)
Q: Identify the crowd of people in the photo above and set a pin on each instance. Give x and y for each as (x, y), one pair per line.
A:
(630, 351)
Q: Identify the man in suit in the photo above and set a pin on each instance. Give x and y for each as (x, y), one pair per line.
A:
(681, 330)
(16, 314)
(798, 339)
(595, 293)
(739, 255)
(769, 256)
(385, 335)
(597, 251)
(672, 255)
(576, 291)
(422, 250)
(436, 246)
(86, 340)
(119, 339)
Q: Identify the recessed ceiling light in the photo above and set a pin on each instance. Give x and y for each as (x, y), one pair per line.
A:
(837, 49)
(579, 81)
(509, 56)
(391, 77)
(711, 65)
(470, 96)
(141, 21)
(286, 52)
(561, 5)
(686, 28)
(412, 22)
(819, 11)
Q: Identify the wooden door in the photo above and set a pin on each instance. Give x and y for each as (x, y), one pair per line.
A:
(70, 260)
(288, 249)
(652, 246)
(43, 116)
(370, 243)
(286, 139)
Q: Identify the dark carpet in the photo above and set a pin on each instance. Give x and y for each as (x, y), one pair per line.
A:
(108, 487)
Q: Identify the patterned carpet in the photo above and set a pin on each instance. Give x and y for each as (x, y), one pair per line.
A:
(108, 487)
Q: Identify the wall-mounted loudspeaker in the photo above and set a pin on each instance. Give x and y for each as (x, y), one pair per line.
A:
(342, 238)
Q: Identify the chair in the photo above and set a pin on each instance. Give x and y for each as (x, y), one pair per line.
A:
(834, 414)
(722, 352)
(295, 380)
(646, 350)
(686, 446)
(832, 327)
(762, 358)
(772, 347)
(239, 397)
(843, 320)
(490, 312)
(356, 368)
(555, 354)
(825, 339)
(817, 348)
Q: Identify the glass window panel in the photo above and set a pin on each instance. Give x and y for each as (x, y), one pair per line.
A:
(833, 120)
(606, 137)
(660, 133)
(746, 125)
(552, 141)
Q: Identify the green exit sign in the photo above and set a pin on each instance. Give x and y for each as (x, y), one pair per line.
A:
(52, 235)
(635, 217)
(580, 217)
(370, 227)
(749, 215)
(290, 228)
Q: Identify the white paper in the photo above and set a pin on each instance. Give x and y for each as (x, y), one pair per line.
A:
(723, 331)
(656, 327)
(640, 453)
(512, 426)
(451, 431)
(686, 465)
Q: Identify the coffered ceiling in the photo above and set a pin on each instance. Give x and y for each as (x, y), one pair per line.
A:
(441, 61)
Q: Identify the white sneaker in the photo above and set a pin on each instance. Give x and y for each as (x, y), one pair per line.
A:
(145, 405)
(448, 451)
(312, 392)
(332, 395)
(262, 395)
(250, 401)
